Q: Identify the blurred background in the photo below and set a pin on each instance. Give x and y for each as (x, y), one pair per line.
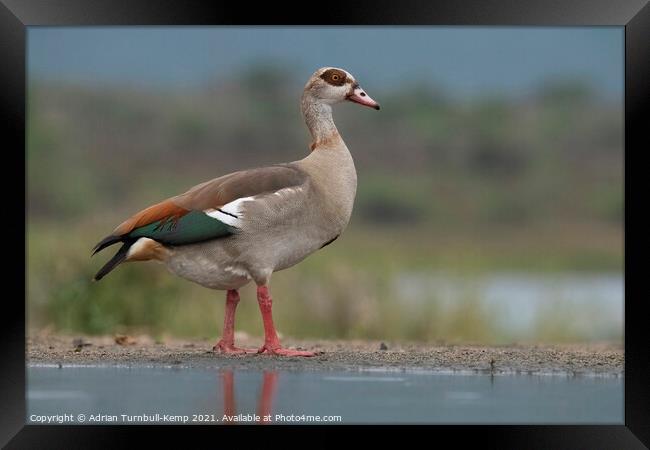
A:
(490, 185)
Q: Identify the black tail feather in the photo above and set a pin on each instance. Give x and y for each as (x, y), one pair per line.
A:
(119, 257)
(106, 242)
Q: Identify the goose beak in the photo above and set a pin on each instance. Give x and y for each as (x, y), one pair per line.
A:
(359, 96)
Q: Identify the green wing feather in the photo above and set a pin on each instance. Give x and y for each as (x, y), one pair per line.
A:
(196, 226)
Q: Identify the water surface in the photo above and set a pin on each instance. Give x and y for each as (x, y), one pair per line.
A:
(146, 394)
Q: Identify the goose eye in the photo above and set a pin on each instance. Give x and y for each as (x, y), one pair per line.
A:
(335, 77)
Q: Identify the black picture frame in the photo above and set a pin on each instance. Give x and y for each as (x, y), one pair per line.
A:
(633, 15)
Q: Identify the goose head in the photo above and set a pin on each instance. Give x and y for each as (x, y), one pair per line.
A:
(331, 85)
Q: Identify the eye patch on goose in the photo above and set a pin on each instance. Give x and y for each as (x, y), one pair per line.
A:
(334, 77)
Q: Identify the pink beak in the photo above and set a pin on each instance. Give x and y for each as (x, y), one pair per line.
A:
(360, 97)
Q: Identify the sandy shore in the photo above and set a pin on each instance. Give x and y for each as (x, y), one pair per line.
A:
(579, 359)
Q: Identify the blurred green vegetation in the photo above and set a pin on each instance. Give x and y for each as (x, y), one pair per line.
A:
(473, 186)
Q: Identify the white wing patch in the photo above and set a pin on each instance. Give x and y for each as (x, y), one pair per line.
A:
(230, 213)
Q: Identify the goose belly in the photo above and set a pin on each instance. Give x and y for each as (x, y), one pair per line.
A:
(291, 248)
(231, 263)
(207, 266)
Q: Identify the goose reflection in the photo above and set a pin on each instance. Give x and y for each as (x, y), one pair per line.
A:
(265, 403)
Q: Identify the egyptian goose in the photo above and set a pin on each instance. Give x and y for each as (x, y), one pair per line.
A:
(246, 225)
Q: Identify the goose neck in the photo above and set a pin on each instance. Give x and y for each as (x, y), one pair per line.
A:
(318, 117)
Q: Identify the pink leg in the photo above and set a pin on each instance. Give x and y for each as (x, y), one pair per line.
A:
(271, 341)
(227, 343)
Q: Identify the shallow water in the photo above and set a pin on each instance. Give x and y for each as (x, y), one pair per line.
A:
(595, 302)
(200, 396)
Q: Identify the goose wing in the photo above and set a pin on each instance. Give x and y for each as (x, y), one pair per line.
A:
(209, 210)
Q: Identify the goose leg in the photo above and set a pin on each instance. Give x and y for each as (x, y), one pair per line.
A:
(271, 341)
(227, 342)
